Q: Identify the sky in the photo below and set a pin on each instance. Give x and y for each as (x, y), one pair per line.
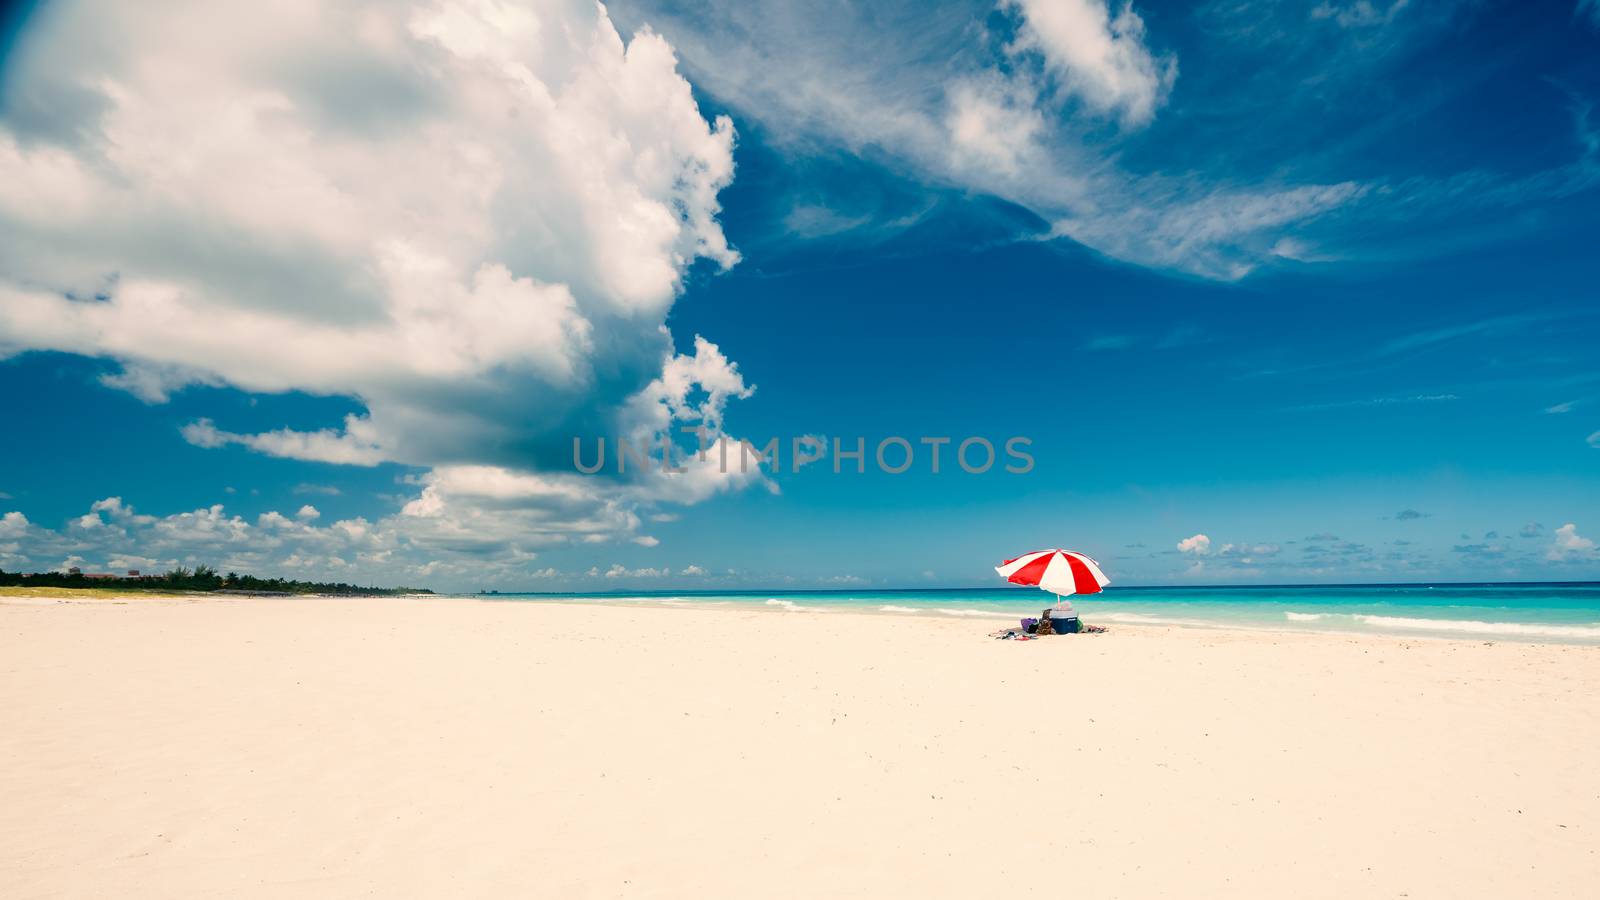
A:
(1266, 292)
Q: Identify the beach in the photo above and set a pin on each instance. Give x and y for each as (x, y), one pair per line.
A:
(320, 747)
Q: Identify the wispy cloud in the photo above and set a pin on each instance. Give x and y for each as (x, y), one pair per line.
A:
(1588, 9)
(1109, 342)
(1481, 551)
(1495, 326)
(1173, 339)
(1375, 401)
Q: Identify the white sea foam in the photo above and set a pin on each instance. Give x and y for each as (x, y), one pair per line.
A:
(988, 613)
(1473, 626)
(897, 609)
(1302, 617)
(792, 606)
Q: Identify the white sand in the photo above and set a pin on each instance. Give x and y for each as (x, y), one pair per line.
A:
(431, 748)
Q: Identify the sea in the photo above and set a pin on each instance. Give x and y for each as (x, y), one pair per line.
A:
(1566, 612)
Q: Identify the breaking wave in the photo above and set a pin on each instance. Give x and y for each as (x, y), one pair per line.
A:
(792, 606)
(1472, 626)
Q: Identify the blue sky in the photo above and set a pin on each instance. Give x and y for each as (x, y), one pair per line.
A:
(1279, 292)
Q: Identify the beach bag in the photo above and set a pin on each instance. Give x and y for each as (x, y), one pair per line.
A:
(1045, 626)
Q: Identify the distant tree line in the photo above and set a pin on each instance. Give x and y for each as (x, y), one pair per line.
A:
(200, 578)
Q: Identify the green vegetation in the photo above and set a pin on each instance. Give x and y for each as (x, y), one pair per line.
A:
(200, 578)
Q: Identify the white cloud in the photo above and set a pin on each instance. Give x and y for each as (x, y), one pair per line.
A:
(692, 571)
(308, 513)
(470, 218)
(618, 570)
(993, 125)
(113, 535)
(806, 449)
(13, 525)
(844, 579)
(1570, 545)
(1040, 120)
(1099, 58)
(308, 488)
(1199, 545)
(1204, 230)
(1594, 440)
(355, 445)
(587, 183)
(1249, 554)
(645, 540)
(1359, 14)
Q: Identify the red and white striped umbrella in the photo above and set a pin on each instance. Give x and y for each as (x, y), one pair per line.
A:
(1056, 571)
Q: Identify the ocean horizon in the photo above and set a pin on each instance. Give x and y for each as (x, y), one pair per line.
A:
(1546, 612)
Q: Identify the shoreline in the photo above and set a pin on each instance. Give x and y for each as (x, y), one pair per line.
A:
(978, 618)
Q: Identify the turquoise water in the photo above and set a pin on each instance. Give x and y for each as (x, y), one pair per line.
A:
(1564, 613)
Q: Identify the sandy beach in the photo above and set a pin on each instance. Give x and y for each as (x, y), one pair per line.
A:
(403, 747)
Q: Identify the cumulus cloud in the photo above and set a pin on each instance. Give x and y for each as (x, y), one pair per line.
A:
(13, 525)
(1531, 530)
(1410, 515)
(1101, 59)
(1199, 545)
(1569, 545)
(114, 535)
(472, 219)
(618, 570)
(692, 571)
